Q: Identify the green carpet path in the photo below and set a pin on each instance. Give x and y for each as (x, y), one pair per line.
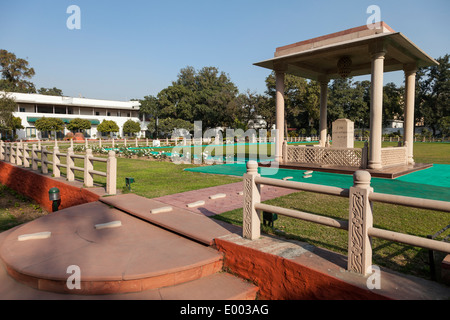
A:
(432, 183)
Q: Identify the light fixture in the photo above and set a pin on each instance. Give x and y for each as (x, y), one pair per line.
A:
(54, 196)
(344, 66)
(269, 218)
(128, 182)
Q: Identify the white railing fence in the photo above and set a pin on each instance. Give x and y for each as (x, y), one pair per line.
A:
(21, 155)
(360, 220)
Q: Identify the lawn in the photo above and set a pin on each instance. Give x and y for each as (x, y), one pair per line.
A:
(16, 209)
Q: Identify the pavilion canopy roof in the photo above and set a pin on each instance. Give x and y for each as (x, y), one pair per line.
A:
(318, 57)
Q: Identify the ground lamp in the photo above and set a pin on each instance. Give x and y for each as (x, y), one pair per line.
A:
(54, 196)
(269, 218)
(128, 182)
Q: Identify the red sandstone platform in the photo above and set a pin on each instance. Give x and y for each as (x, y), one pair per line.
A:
(135, 257)
(182, 221)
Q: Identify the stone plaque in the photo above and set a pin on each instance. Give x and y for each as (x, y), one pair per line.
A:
(343, 132)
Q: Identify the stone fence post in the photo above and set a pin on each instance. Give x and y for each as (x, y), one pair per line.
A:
(56, 161)
(111, 173)
(25, 155)
(34, 157)
(18, 154)
(44, 167)
(12, 153)
(2, 150)
(252, 195)
(88, 166)
(7, 152)
(360, 222)
(70, 164)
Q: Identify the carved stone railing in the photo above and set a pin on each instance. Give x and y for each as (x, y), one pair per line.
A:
(323, 156)
(360, 219)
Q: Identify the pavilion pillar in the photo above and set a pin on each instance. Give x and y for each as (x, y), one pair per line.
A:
(323, 112)
(279, 82)
(410, 88)
(376, 110)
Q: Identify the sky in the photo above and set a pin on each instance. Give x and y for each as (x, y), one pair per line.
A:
(130, 49)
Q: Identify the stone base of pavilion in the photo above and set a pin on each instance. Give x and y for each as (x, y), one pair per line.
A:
(391, 172)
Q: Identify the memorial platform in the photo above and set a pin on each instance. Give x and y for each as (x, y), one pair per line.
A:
(388, 173)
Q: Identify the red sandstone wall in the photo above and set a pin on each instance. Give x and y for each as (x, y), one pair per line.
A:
(283, 279)
(36, 187)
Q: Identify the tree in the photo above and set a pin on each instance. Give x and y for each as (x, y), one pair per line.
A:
(176, 101)
(167, 125)
(149, 106)
(311, 105)
(214, 94)
(16, 124)
(392, 102)
(433, 93)
(7, 107)
(302, 101)
(8, 123)
(51, 91)
(348, 99)
(266, 109)
(444, 124)
(131, 126)
(149, 109)
(49, 124)
(77, 124)
(108, 126)
(207, 95)
(15, 71)
(248, 106)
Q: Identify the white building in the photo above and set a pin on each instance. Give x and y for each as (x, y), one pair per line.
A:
(31, 107)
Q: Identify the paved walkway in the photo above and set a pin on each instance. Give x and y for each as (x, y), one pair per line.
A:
(233, 198)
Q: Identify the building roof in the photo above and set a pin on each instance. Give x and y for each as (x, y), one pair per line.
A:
(318, 57)
(70, 101)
